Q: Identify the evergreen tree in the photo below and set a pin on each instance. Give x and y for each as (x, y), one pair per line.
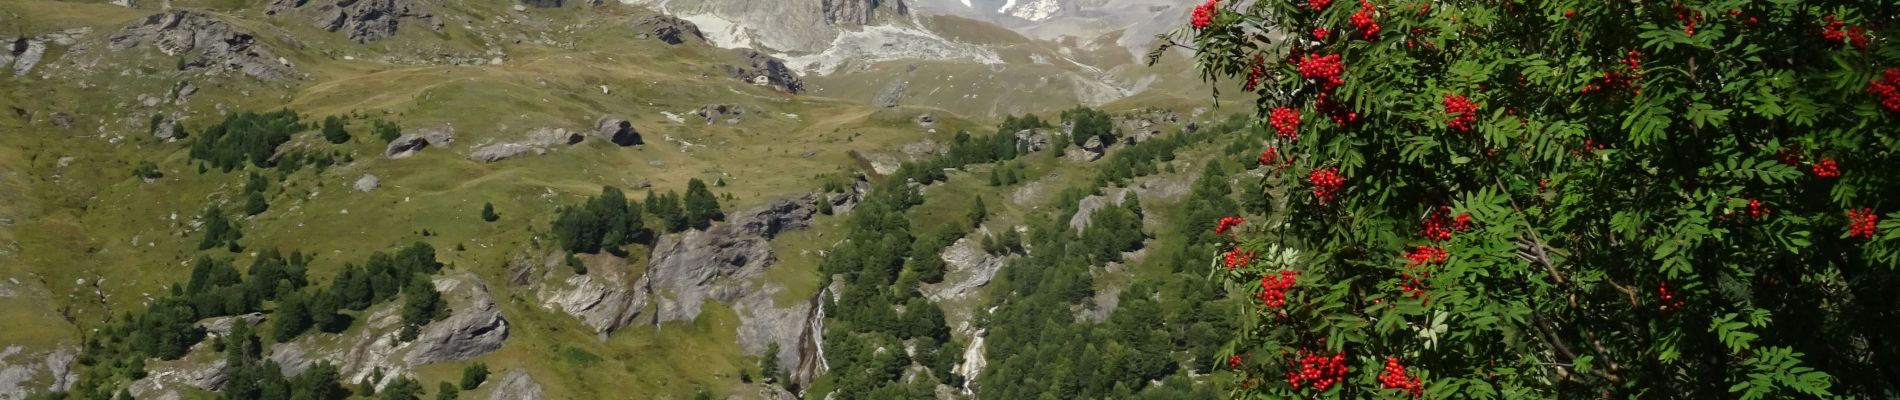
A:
(666, 207)
(333, 130)
(219, 231)
(446, 391)
(977, 213)
(324, 306)
(1089, 123)
(474, 375)
(421, 303)
(291, 318)
(488, 212)
(768, 364)
(702, 207)
(254, 203)
(386, 131)
(401, 388)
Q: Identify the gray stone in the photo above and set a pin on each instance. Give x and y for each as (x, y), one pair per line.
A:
(617, 130)
(474, 327)
(516, 385)
(24, 61)
(368, 183)
(891, 95)
(363, 21)
(927, 121)
(554, 136)
(1033, 140)
(63, 120)
(220, 46)
(410, 143)
(764, 70)
(502, 151)
(161, 381)
(859, 12)
(715, 112)
(164, 128)
(670, 29)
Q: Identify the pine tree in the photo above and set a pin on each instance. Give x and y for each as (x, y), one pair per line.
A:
(446, 391)
(323, 312)
(421, 303)
(488, 212)
(254, 203)
(978, 212)
(386, 131)
(474, 375)
(768, 364)
(219, 231)
(333, 130)
(702, 207)
(291, 318)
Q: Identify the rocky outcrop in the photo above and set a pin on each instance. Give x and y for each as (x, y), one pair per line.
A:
(670, 29)
(1091, 150)
(410, 143)
(474, 326)
(502, 151)
(542, 3)
(714, 113)
(891, 95)
(973, 364)
(1141, 126)
(219, 46)
(164, 381)
(859, 12)
(764, 70)
(363, 21)
(516, 385)
(926, 121)
(617, 130)
(164, 128)
(970, 268)
(23, 373)
(1033, 140)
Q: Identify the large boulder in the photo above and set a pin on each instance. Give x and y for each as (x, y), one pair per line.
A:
(474, 326)
(363, 21)
(502, 151)
(24, 373)
(410, 143)
(219, 46)
(617, 130)
(516, 385)
(163, 381)
(764, 70)
(670, 29)
(1033, 140)
(713, 113)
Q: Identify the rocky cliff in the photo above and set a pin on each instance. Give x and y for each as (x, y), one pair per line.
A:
(219, 46)
(363, 21)
(859, 12)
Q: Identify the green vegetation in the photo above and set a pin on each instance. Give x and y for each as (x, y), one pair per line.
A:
(385, 130)
(667, 210)
(488, 213)
(219, 230)
(245, 136)
(474, 375)
(1089, 123)
(607, 221)
(702, 207)
(333, 130)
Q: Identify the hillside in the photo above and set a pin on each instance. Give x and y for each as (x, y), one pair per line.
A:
(378, 196)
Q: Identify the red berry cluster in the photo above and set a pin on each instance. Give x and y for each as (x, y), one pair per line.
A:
(1855, 34)
(1318, 371)
(1590, 145)
(1438, 227)
(1326, 183)
(1827, 169)
(1319, 33)
(1324, 69)
(1286, 121)
(1860, 223)
(1394, 377)
(1362, 21)
(1756, 209)
(1887, 89)
(1271, 157)
(1204, 14)
(1254, 73)
(1688, 17)
(1273, 287)
(1629, 79)
(1668, 299)
(1339, 115)
(1236, 258)
(1318, 5)
(1424, 254)
(1233, 362)
(1463, 112)
(1226, 223)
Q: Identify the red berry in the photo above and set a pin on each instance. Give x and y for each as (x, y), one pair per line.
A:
(1227, 223)
(1463, 112)
(1324, 69)
(1204, 14)
(1861, 223)
(1827, 169)
(1326, 183)
(1286, 121)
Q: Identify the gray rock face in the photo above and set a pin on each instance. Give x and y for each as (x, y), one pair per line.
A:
(367, 183)
(713, 113)
(220, 46)
(28, 56)
(220, 326)
(21, 372)
(970, 268)
(502, 151)
(891, 95)
(554, 136)
(164, 381)
(617, 130)
(859, 12)
(363, 21)
(163, 129)
(1033, 140)
(474, 327)
(765, 70)
(410, 143)
(670, 29)
(517, 385)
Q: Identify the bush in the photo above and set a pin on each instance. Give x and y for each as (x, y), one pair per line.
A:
(474, 375)
(245, 136)
(488, 212)
(1567, 199)
(333, 130)
(604, 221)
(702, 208)
(386, 131)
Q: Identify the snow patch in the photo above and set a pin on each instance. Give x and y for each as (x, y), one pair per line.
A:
(883, 43)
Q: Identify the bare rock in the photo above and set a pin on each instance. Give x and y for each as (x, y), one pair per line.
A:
(859, 12)
(670, 29)
(410, 143)
(891, 95)
(162, 381)
(63, 120)
(474, 327)
(220, 326)
(502, 151)
(363, 21)
(27, 56)
(219, 46)
(764, 70)
(367, 183)
(554, 136)
(516, 385)
(542, 3)
(617, 130)
(715, 112)
(1033, 140)
(164, 129)
(920, 150)
(927, 121)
